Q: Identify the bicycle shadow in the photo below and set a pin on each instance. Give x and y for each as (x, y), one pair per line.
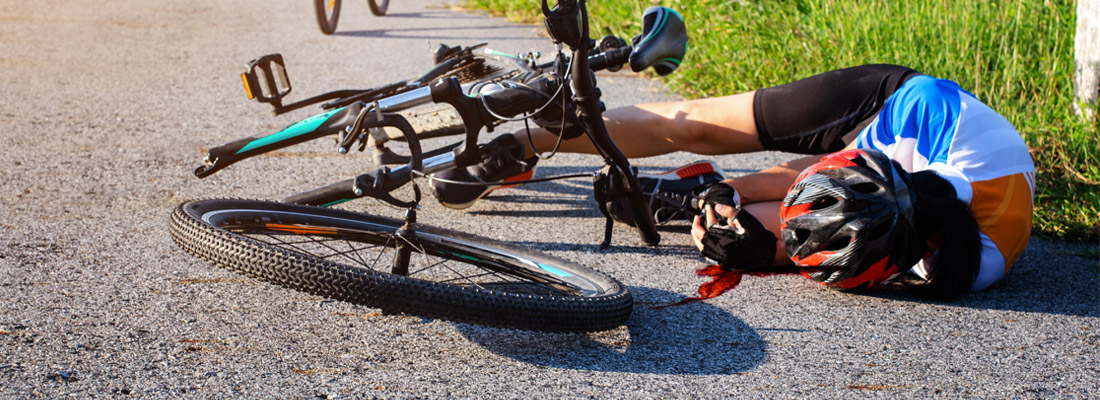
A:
(699, 339)
(477, 33)
(438, 14)
(572, 193)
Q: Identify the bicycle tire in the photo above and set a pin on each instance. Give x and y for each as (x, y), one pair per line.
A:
(378, 7)
(297, 247)
(328, 14)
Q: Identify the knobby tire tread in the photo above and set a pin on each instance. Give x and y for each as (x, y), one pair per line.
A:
(394, 293)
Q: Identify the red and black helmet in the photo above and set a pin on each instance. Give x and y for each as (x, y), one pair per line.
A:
(848, 220)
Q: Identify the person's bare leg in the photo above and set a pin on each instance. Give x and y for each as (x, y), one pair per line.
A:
(719, 125)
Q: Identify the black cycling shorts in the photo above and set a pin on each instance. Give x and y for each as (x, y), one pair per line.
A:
(823, 113)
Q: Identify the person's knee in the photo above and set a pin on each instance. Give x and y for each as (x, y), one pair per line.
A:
(721, 125)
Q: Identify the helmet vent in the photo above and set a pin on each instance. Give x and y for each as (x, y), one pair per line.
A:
(865, 187)
(880, 230)
(859, 161)
(837, 244)
(801, 235)
(823, 203)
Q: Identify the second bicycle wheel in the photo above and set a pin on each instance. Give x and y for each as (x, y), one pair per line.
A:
(452, 275)
(378, 7)
(328, 14)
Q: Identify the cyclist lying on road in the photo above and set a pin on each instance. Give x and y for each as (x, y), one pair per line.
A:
(920, 182)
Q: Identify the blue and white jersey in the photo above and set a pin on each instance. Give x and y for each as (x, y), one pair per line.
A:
(933, 124)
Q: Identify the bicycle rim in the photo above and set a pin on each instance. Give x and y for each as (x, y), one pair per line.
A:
(452, 275)
(328, 14)
(378, 7)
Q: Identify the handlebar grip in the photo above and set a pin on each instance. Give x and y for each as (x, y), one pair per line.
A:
(610, 58)
(663, 42)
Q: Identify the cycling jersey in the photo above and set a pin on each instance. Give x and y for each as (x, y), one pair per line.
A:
(933, 124)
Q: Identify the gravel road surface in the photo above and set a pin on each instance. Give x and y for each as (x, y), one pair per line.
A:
(105, 107)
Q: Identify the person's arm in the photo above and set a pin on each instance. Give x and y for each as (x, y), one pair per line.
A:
(760, 193)
(771, 184)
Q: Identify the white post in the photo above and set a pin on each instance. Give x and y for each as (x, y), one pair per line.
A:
(1086, 79)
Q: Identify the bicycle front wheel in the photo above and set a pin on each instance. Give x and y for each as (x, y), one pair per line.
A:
(328, 13)
(378, 7)
(451, 275)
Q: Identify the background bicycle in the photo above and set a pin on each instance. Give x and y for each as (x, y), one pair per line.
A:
(328, 12)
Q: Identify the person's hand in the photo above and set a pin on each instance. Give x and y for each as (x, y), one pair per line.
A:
(735, 240)
(711, 215)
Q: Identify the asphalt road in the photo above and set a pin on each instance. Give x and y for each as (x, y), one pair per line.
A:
(106, 105)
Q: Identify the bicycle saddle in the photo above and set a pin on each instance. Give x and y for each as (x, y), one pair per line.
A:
(662, 43)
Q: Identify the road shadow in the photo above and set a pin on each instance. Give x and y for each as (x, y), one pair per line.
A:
(1048, 278)
(698, 339)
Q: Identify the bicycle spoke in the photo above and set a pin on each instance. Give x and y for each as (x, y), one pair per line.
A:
(384, 249)
(482, 277)
(355, 248)
(277, 239)
(445, 264)
(356, 251)
(321, 243)
(337, 252)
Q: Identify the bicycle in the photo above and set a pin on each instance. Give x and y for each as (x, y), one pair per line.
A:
(302, 244)
(328, 12)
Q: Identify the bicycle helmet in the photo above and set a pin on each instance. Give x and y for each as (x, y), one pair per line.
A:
(848, 220)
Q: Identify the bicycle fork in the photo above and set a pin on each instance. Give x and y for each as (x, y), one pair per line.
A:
(406, 237)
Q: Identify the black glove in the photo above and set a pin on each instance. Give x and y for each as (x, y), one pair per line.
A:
(721, 193)
(744, 246)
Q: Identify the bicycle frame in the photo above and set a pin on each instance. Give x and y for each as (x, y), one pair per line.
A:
(352, 117)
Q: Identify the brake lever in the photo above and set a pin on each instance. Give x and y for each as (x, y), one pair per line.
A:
(354, 132)
(563, 23)
(373, 185)
(376, 184)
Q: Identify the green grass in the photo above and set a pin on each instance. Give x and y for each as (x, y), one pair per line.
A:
(1015, 56)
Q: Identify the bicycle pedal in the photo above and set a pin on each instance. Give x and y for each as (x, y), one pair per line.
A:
(266, 80)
